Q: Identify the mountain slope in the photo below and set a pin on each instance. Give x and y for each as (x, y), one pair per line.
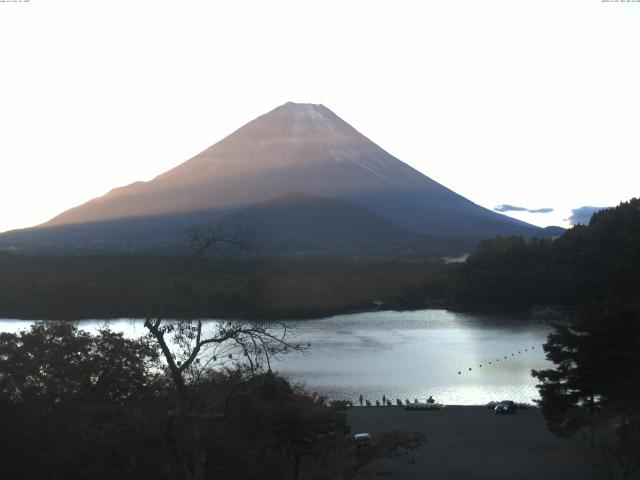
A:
(294, 223)
(298, 222)
(300, 148)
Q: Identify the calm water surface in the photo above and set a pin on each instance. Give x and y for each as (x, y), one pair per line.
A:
(405, 355)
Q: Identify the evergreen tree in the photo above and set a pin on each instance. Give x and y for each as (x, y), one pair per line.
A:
(597, 366)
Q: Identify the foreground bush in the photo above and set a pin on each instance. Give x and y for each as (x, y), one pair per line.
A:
(75, 405)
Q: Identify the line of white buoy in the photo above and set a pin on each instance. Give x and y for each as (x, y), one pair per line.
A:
(498, 359)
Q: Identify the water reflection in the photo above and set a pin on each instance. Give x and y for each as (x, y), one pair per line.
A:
(404, 355)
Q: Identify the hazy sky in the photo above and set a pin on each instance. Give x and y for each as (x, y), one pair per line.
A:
(532, 104)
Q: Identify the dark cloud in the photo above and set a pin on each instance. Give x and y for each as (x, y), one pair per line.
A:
(582, 215)
(512, 208)
(509, 208)
(542, 210)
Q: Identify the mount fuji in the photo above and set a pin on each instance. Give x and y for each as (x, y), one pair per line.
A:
(300, 155)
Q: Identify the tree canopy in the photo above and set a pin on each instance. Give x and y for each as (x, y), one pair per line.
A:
(101, 406)
(597, 366)
(585, 264)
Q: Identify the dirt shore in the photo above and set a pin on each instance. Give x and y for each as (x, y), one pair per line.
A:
(466, 442)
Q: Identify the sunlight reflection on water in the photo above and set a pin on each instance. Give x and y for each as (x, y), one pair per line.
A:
(404, 355)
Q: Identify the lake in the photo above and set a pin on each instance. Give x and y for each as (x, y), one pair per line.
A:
(458, 358)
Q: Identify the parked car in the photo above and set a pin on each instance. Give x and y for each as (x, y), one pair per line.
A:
(362, 439)
(505, 406)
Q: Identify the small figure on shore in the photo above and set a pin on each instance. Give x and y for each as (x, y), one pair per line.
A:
(398, 402)
(368, 403)
(430, 399)
(384, 399)
(377, 403)
(407, 401)
(360, 399)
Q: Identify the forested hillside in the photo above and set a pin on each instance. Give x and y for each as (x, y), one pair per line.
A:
(584, 264)
(75, 287)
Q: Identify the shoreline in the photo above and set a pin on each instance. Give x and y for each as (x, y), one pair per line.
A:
(533, 313)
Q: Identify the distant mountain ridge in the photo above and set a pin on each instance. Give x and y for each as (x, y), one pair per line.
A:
(294, 148)
(298, 222)
(293, 223)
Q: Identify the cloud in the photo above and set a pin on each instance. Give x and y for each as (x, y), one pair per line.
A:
(512, 208)
(582, 215)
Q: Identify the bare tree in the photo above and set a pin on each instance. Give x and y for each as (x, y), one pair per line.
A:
(190, 346)
(193, 348)
(190, 350)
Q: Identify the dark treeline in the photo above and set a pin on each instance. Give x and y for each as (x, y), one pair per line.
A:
(584, 264)
(96, 286)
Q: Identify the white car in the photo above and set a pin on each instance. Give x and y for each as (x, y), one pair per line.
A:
(362, 439)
